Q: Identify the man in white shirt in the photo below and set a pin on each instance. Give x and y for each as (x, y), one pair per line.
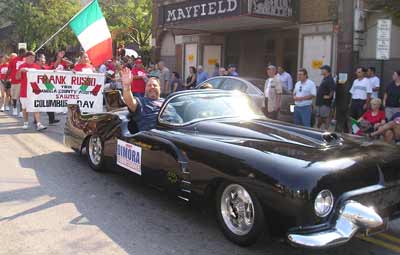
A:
(360, 94)
(273, 93)
(303, 94)
(374, 81)
(286, 79)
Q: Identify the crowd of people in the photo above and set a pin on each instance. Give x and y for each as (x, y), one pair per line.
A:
(313, 105)
(13, 81)
(371, 115)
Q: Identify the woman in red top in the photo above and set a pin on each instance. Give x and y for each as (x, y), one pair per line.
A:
(84, 65)
(4, 84)
(375, 116)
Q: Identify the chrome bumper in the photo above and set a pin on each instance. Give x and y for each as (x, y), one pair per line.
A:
(352, 217)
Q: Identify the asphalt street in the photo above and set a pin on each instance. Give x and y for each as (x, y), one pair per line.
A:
(51, 202)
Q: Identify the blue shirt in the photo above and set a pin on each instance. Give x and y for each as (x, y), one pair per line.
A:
(202, 76)
(234, 74)
(146, 112)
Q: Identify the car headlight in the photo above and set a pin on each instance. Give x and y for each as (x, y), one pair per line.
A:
(323, 203)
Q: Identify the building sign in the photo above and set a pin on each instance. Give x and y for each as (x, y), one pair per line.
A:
(383, 36)
(22, 46)
(199, 10)
(280, 8)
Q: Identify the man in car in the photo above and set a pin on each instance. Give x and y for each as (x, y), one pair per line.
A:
(146, 108)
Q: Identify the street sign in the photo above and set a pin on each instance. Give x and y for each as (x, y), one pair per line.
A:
(383, 35)
(22, 46)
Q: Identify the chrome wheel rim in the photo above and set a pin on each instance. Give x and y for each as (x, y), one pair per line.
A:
(95, 150)
(237, 209)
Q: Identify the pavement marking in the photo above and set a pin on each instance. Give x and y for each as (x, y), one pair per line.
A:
(378, 242)
(389, 237)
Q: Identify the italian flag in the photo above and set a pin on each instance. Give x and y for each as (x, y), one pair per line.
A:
(91, 28)
(354, 127)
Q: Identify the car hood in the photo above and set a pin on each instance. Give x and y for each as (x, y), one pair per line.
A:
(312, 157)
(240, 131)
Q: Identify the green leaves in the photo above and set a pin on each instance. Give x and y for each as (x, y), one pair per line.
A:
(129, 20)
(36, 21)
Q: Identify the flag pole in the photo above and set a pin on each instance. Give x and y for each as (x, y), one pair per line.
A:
(64, 26)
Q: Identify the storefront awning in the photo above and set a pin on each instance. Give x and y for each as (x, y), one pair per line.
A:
(231, 24)
(227, 15)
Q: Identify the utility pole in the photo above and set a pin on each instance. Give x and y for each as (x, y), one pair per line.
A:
(345, 63)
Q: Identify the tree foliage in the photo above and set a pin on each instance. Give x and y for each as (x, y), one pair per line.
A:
(35, 21)
(129, 20)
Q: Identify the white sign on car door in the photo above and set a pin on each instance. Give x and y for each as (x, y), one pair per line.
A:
(129, 156)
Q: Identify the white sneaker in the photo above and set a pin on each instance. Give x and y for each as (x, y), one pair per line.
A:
(2, 109)
(15, 112)
(40, 127)
(20, 115)
(26, 125)
(7, 108)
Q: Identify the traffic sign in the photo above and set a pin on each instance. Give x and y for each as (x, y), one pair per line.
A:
(383, 36)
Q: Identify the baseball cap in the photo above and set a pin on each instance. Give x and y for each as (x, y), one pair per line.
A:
(326, 67)
(231, 65)
(138, 61)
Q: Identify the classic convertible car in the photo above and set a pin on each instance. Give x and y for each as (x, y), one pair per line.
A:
(212, 145)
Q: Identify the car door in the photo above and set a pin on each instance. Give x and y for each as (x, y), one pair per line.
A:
(153, 157)
(257, 96)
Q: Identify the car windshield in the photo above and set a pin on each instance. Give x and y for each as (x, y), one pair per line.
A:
(185, 108)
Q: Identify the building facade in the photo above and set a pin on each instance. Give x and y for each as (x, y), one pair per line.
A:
(247, 33)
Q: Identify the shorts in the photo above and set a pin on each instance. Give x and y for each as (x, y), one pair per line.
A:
(322, 111)
(24, 102)
(15, 91)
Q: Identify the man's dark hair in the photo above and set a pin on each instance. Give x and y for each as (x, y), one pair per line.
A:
(398, 72)
(363, 69)
(176, 75)
(373, 69)
(21, 52)
(193, 69)
(304, 71)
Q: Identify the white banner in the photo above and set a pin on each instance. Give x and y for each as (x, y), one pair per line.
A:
(52, 91)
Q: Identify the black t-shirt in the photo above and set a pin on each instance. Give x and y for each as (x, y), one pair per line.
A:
(393, 95)
(327, 86)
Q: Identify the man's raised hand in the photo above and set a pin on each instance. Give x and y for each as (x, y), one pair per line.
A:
(126, 77)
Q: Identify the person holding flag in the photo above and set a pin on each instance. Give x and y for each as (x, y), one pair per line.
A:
(84, 65)
(92, 31)
(61, 63)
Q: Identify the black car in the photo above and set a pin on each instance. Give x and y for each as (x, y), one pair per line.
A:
(211, 145)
